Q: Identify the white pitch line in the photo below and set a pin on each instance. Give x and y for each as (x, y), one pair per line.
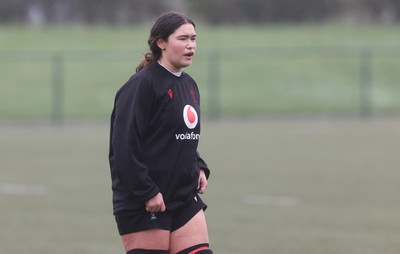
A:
(22, 189)
(270, 200)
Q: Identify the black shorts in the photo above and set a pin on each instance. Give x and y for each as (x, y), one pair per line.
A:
(130, 221)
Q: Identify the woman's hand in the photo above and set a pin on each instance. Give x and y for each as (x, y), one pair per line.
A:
(155, 204)
(202, 182)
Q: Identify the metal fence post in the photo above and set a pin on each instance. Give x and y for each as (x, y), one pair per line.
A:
(366, 83)
(214, 84)
(57, 110)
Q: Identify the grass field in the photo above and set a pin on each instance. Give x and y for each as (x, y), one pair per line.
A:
(306, 186)
(271, 70)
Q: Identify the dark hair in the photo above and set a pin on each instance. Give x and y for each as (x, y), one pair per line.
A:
(163, 27)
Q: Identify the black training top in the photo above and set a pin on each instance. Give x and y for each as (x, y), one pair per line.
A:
(155, 130)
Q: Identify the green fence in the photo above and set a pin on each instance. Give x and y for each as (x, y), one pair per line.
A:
(302, 81)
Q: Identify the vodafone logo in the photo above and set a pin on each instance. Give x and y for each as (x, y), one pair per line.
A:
(190, 116)
(191, 119)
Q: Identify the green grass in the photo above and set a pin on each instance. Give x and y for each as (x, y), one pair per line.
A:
(343, 175)
(126, 37)
(313, 69)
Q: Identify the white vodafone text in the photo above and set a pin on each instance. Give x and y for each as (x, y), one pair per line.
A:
(187, 136)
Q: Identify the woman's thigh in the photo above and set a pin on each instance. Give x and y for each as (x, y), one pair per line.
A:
(152, 239)
(192, 233)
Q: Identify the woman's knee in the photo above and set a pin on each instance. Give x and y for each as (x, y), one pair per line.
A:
(191, 234)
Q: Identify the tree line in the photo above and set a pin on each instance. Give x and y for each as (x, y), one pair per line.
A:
(211, 11)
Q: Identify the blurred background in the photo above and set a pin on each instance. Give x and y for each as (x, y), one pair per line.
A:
(282, 58)
(300, 102)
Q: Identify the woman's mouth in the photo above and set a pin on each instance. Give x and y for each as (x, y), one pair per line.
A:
(189, 54)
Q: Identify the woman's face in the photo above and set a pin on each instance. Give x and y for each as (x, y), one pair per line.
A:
(178, 51)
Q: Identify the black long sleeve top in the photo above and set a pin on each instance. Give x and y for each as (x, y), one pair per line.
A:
(155, 130)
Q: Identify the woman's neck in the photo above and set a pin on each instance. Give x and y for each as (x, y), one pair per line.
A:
(176, 73)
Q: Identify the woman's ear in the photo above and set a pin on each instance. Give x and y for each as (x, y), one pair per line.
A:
(161, 44)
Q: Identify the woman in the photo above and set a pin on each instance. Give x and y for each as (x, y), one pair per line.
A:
(156, 170)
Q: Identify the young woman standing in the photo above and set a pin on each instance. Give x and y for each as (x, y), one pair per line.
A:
(156, 170)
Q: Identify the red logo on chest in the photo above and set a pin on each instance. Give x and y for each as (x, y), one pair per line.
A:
(190, 117)
(170, 93)
(193, 93)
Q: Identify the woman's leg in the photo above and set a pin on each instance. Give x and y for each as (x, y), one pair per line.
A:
(152, 239)
(192, 233)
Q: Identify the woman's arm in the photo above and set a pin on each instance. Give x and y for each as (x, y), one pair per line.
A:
(130, 120)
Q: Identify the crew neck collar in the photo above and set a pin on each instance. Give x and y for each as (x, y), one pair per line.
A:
(177, 74)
